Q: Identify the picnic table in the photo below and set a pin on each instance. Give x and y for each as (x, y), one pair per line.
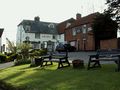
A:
(104, 55)
(60, 58)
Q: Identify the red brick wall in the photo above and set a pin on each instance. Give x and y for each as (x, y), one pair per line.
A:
(89, 43)
(108, 44)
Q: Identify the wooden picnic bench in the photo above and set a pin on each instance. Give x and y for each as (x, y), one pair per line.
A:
(104, 55)
(60, 57)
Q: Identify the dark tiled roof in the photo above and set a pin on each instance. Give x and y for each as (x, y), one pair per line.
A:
(1, 31)
(39, 27)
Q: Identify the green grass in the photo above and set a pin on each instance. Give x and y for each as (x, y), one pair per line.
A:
(50, 78)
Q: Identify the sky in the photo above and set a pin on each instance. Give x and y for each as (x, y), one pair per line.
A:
(12, 12)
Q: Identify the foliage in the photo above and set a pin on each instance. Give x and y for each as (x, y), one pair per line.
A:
(113, 9)
(21, 61)
(104, 27)
(2, 58)
(48, 78)
(23, 49)
(38, 52)
(12, 57)
(11, 46)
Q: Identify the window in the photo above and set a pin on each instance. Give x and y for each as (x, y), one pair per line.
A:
(27, 38)
(53, 36)
(89, 29)
(73, 31)
(27, 28)
(37, 35)
(36, 46)
(51, 25)
(84, 29)
(59, 36)
(72, 43)
(78, 29)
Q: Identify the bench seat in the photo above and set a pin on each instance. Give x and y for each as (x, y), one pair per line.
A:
(104, 55)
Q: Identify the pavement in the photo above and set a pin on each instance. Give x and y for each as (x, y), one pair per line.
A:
(6, 65)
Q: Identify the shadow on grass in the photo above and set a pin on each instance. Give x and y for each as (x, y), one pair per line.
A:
(50, 78)
(8, 86)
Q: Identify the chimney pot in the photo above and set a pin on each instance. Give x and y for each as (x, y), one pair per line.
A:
(37, 18)
(78, 16)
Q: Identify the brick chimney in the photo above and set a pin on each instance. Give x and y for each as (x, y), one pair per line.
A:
(78, 16)
(37, 19)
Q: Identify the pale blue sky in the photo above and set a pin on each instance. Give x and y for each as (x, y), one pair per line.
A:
(12, 12)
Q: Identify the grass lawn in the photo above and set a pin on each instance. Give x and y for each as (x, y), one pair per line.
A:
(50, 78)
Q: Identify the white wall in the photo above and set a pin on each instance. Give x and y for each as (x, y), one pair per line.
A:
(21, 36)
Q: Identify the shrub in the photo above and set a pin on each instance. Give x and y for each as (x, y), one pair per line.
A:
(12, 57)
(38, 52)
(21, 62)
(2, 58)
(43, 51)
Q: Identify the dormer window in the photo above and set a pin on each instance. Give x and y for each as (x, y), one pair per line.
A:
(51, 25)
(27, 28)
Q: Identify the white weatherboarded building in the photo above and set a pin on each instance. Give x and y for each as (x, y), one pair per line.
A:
(38, 33)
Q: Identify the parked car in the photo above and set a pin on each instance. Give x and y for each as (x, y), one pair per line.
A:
(70, 48)
(64, 47)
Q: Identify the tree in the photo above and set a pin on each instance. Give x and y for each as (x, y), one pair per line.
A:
(113, 9)
(11, 46)
(24, 48)
(104, 28)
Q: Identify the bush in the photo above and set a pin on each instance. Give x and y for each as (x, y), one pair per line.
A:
(12, 57)
(38, 52)
(2, 58)
(21, 62)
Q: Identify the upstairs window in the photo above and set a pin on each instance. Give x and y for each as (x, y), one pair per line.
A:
(73, 31)
(78, 29)
(37, 35)
(84, 29)
(51, 25)
(27, 28)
